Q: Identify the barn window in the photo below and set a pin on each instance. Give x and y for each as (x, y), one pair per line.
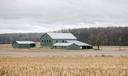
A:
(63, 41)
(56, 40)
(49, 40)
(44, 41)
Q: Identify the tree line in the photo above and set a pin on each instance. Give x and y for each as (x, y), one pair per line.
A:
(8, 38)
(101, 35)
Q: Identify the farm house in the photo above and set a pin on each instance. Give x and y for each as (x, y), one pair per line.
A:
(23, 44)
(62, 40)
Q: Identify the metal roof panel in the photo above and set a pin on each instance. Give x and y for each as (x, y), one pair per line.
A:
(62, 44)
(79, 43)
(61, 35)
(25, 42)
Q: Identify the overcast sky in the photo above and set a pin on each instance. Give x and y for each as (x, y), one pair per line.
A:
(47, 15)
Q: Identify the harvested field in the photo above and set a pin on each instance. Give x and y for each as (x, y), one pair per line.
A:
(7, 50)
(64, 66)
(109, 61)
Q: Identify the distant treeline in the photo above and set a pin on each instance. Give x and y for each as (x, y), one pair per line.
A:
(102, 36)
(94, 36)
(8, 38)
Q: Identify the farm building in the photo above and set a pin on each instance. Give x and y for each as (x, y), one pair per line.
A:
(62, 40)
(23, 44)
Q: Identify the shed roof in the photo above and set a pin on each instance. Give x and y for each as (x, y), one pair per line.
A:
(25, 42)
(61, 35)
(70, 42)
(62, 44)
(79, 43)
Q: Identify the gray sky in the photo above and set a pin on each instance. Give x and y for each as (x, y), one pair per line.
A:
(47, 15)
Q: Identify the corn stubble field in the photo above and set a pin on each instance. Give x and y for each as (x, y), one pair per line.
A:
(64, 66)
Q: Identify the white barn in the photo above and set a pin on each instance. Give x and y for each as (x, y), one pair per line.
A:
(62, 40)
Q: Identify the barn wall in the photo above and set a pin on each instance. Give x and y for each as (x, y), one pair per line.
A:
(46, 41)
(60, 47)
(24, 45)
(15, 45)
(73, 46)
